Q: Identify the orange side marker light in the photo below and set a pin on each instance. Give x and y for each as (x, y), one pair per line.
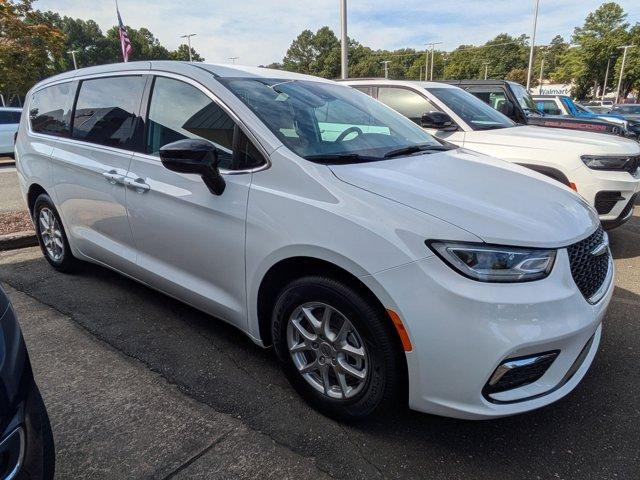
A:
(402, 332)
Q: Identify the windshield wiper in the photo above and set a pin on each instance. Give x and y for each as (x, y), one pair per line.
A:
(339, 158)
(415, 149)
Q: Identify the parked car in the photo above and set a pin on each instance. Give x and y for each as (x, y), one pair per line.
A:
(9, 120)
(514, 101)
(380, 262)
(564, 105)
(630, 111)
(26, 441)
(604, 169)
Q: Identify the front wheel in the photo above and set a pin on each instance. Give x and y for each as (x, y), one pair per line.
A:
(336, 348)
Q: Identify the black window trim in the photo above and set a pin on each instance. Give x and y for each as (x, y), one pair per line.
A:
(155, 73)
(147, 97)
(74, 93)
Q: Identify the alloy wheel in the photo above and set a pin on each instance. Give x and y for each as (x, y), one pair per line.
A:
(51, 234)
(327, 350)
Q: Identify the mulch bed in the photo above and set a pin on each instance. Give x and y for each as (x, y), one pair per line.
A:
(13, 222)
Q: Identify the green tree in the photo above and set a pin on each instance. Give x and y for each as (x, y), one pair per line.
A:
(28, 47)
(314, 54)
(182, 53)
(603, 31)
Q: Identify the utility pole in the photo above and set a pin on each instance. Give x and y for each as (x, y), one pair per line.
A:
(533, 42)
(486, 69)
(606, 78)
(624, 59)
(344, 42)
(233, 59)
(188, 37)
(386, 68)
(73, 55)
(430, 71)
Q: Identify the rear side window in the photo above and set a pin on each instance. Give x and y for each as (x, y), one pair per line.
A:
(178, 110)
(107, 111)
(50, 110)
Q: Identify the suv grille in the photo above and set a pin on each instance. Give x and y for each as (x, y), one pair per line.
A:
(589, 271)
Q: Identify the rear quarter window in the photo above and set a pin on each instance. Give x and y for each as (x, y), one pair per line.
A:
(50, 110)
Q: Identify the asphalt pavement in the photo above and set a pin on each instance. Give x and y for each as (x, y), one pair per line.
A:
(593, 433)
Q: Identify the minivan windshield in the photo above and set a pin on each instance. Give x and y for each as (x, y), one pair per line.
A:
(330, 123)
(475, 113)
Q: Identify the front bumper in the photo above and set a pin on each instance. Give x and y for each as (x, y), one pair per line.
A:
(590, 183)
(462, 330)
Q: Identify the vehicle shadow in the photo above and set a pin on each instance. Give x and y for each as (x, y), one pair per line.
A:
(625, 240)
(218, 365)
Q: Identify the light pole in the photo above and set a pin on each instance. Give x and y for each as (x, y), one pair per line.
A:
(233, 59)
(533, 41)
(188, 37)
(624, 59)
(606, 78)
(386, 68)
(73, 55)
(432, 45)
(344, 42)
(486, 69)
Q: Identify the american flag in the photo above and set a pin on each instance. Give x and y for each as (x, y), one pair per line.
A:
(125, 43)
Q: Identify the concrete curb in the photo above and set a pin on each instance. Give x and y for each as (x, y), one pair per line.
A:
(13, 241)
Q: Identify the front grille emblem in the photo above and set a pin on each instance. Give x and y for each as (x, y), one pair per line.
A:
(602, 248)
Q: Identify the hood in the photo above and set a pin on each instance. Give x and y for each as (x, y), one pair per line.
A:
(497, 201)
(555, 139)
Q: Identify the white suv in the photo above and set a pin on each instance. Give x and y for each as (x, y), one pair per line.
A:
(379, 262)
(604, 169)
(9, 120)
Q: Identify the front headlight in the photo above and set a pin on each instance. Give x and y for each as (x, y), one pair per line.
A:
(493, 263)
(608, 162)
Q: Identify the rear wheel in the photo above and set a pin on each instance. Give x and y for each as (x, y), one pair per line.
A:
(336, 348)
(51, 235)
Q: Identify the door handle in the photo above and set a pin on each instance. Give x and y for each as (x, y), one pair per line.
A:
(113, 177)
(138, 184)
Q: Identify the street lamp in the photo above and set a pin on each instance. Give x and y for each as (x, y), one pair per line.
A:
(233, 59)
(344, 43)
(188, 37)
(486, 69)
(533, 41)
(624, 59)
(386, 68)
(606, 77)
(73, 55)
(432, 45)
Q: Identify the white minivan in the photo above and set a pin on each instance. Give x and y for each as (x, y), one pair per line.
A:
(382, 264)
(604, 169)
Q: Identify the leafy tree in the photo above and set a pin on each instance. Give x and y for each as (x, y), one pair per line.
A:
(182, 53)
(314, 54)
(27, 47)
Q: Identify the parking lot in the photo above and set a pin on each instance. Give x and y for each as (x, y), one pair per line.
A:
(140, 385)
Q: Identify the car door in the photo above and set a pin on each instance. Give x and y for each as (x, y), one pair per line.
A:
(191, 242)
(90, 167)
(413, 105)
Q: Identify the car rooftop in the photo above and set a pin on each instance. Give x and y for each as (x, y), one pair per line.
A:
(184, 68)
(383, 81)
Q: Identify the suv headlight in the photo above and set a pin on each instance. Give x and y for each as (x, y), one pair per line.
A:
(608, 162)
(494, 263)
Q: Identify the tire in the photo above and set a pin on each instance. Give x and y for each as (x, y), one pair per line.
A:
(65, 262)
(382, 363)
(40, 457)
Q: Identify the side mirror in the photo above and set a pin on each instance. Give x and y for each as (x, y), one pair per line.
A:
(194, 156)
(507, 108)
(438, 120)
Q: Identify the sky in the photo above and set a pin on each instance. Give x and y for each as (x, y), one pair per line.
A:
(259, 32)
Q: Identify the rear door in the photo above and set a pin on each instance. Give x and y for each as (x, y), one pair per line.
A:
(191, 243)
(90, 167)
